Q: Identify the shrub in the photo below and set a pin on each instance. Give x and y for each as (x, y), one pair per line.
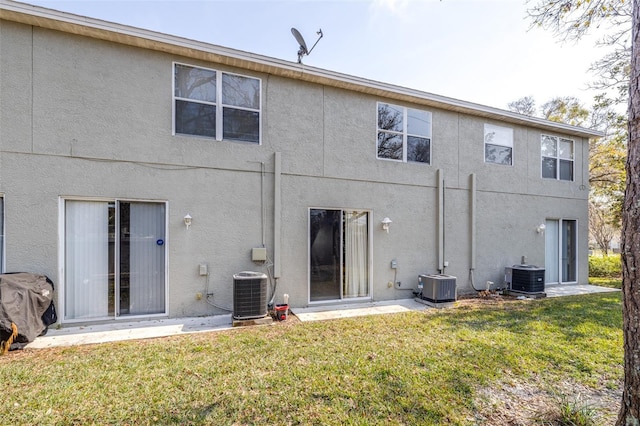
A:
(605, 266)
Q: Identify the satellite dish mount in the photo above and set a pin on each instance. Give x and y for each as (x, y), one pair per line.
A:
(303, 46)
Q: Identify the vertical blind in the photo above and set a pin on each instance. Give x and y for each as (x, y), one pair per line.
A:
(90, 255)
(86, 259)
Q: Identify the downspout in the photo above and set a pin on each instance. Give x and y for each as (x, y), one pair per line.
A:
(440, 177)
(472, 236)
(277, 214)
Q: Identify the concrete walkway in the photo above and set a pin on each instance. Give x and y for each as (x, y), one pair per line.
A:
(118, 331)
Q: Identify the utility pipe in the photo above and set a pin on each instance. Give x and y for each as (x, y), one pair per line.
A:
(277, 213)
(472, 211)
(440, 177)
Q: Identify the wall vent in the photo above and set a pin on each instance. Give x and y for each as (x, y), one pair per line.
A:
(249, 295)
(437, 288)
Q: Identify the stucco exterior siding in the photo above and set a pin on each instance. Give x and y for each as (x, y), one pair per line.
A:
(85, 118)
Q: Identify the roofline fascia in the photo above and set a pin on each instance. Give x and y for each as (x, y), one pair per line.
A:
(137, 37)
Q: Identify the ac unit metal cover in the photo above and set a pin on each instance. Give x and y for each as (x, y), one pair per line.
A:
(525, 278)
(438, 288)
(249, 295)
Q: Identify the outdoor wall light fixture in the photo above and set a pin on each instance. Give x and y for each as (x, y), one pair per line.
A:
(540, 229)
(385, 224)
(187, 220)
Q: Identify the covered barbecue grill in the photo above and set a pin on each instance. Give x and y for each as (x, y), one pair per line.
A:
(26, 309)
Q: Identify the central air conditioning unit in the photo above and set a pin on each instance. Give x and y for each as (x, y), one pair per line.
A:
(524, 278)
(437, 288)
(249, 295)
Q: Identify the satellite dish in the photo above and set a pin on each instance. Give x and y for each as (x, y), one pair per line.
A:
(301, 42)
(303, 45)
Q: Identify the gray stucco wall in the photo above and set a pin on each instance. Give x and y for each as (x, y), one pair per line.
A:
(86, 119)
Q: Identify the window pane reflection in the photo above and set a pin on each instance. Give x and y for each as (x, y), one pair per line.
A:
(497, 154)
(389, 146)
(566, 170)
(548, 148)
(241, 125)
(390, 118)
(240, 91)
(418, 122)
(549, 168)
(418, 149)
(195, 119)
(195, 83)
(566, 149)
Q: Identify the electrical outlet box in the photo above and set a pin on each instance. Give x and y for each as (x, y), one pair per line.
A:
(259, 254)
(394, 264)
(203, 269)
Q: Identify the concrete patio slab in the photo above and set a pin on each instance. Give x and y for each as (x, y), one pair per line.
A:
(572, 290)
(319, 313)
(103, 333)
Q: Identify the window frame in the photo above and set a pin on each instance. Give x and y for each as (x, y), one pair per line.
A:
(405, 133)
(61, 287)
(218, 104)
(558, 158)
(341, 258)
(508, 144)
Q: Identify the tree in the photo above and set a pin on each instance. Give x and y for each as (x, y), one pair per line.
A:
(524, 106)
(630, 407)
(600, 229)
(567, 110)
(572, 19)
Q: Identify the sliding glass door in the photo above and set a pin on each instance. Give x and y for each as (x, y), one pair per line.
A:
(114, 259)
(560, 251)
(339, 261)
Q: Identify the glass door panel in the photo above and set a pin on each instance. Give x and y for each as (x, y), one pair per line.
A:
(109, 273)
(325, 254)
(339, 261)
(142, 263)
(356, 254)
(560, 251)
(552, 253)
(568, 251)
(87, 253)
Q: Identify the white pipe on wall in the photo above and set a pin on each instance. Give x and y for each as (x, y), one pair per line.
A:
(277, 213)
(440, 178)
(472, 209)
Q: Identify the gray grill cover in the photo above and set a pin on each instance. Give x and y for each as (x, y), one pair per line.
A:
(24, 298)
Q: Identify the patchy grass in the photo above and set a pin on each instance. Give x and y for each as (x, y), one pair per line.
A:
(410, 368)
(606, 282)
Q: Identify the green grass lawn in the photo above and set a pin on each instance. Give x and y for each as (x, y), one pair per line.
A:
(606, 282)
(409, 368)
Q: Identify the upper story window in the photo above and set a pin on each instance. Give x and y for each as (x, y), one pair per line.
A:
(498, 145)
(404, 134)
(557, 157)
(216, 104)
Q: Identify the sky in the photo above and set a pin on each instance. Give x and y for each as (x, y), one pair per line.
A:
(480, 51)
